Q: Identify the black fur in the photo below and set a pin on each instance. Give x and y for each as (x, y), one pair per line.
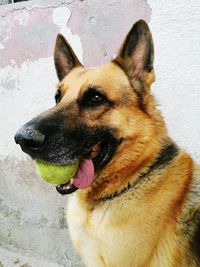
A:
(169, 152)
(166, 155)
(194, 223)
(67, 139)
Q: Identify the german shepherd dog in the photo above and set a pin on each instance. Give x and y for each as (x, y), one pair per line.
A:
(135, 201)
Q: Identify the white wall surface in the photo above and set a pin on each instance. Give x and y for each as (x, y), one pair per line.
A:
(175, 27)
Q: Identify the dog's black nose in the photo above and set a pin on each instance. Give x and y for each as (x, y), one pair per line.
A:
(29, 138)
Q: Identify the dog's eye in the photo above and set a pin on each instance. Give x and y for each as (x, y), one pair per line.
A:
(93, 98)
(97, 99)
(58, 96)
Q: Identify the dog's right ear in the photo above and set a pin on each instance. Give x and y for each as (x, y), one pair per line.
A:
(64, 57)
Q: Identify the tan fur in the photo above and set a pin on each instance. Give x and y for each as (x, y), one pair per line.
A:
(151, 225)
(139, 228)
(142, 209)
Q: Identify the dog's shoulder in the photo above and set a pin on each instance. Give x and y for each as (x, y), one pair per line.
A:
(195, 242)
(195, 190)
(191, 221)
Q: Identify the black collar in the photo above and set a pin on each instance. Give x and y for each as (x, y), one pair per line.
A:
(168, 152)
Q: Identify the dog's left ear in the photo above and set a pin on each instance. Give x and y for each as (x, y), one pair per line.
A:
(64, 57)
(137, 52)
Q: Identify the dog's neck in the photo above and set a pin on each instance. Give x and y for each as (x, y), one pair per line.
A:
(120, 176)
(166, 155)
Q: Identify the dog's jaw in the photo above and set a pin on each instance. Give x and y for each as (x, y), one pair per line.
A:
(100, 155)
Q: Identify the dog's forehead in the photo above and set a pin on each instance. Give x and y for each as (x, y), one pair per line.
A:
(109, 78)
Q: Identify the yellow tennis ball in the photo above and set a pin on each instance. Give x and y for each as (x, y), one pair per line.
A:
(56, 174)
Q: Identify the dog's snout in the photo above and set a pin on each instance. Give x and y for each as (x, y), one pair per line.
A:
(29, 138)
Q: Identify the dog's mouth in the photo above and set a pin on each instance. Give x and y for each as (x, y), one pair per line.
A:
(100, 154)
(93, 148)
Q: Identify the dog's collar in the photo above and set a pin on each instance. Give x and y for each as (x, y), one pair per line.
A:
(166, 155)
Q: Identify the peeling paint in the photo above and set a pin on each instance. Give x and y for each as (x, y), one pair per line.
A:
(33, 31)
(1, 46)
(103, 25)
(60, 18)
(32, 226)
(32, 40)
(23, 18)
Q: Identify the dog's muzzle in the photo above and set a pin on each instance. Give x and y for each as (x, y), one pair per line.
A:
(54, 138)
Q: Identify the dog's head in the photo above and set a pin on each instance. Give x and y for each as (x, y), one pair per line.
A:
(105, 114)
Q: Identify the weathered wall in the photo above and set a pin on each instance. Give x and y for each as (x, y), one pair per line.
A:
(32, 229)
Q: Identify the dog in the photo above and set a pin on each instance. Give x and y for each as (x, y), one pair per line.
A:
(136, 200)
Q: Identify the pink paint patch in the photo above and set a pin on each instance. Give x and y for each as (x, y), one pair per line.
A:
(85, 174)
(30, 41)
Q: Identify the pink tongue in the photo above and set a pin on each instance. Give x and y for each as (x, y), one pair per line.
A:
(85, 174)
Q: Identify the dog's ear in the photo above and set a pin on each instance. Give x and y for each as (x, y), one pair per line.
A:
(64, 57)
(136, 54)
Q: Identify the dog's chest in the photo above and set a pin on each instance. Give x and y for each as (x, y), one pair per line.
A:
(94, 234)
(107, 236)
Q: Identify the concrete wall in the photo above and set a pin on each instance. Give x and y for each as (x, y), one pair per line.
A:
(32, 229)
